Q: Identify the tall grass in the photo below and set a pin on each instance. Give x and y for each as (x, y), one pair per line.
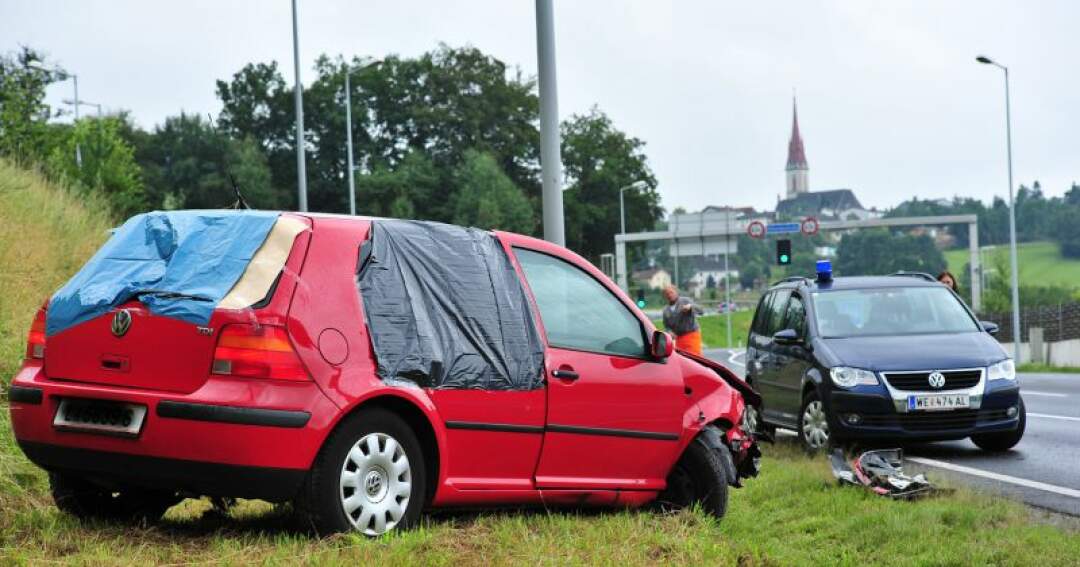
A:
(46, 233)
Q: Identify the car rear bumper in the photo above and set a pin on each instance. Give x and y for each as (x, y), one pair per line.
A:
(232, 437)
(877, 417)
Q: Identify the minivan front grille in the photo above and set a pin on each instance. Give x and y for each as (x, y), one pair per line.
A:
(920, 381)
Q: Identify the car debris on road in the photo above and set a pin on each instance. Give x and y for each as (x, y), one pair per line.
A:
(882, 472)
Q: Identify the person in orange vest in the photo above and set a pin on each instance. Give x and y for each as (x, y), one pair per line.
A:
(680, 319)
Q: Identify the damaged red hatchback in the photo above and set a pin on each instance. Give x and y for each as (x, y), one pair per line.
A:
(365, 370)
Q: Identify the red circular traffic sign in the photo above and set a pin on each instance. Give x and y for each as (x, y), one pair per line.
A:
(756, 229)
(809, 226)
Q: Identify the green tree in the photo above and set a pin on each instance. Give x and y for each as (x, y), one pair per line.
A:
(487, 198)
(108, 164)
(598, 160)
(879, 252)
(24, 131)
(188, 163)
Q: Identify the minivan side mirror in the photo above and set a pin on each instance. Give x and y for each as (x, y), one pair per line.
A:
(786, 337)
(662, 345)
(989, 327)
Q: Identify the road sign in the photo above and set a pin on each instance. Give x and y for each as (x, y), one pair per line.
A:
(784, 227)
(809, 226)
(756, 229)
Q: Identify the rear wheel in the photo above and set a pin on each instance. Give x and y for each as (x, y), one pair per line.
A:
(813, 423)
(997, 442)
(369, 477)
(86, 500)
(698, 478)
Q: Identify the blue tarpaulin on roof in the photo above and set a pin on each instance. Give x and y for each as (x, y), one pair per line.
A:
(178, 263)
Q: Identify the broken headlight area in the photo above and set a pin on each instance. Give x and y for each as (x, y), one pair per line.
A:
(744, 452)
(882, 472)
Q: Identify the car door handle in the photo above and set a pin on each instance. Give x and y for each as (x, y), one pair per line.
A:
(565, 374)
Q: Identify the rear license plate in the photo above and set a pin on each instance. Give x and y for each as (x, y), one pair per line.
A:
(937, 402)
(100, 416)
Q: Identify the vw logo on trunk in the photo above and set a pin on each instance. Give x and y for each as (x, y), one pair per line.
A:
(936, 379)
(121, 322)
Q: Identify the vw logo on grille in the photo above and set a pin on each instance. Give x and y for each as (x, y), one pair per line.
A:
(121, 322)
(936, 379)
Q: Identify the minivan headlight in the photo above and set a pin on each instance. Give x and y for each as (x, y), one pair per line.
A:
(1004, 370)
(847, 377)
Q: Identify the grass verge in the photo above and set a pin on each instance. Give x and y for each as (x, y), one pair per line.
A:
(1047, 369)
(714, 328)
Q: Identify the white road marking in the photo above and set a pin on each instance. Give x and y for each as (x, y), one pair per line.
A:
(734, 355)
(1050, 394)
(1048, 416)
(1063, 491)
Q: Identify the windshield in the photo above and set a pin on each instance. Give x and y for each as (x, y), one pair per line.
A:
(890, 311)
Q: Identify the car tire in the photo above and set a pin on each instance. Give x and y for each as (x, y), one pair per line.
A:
(999, 442)
(88, 501)
(369, 477)
(813, 424)
(698, 478)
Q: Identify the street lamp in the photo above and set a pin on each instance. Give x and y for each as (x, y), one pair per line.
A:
(637, 186)
(63, 76)
(79, 103)
(298, 96)
(1012, 214)
(550, 152)
(348, 132)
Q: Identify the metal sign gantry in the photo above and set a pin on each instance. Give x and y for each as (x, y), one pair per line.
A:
(738, 228)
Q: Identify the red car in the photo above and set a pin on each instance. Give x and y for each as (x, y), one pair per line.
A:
(365, 370)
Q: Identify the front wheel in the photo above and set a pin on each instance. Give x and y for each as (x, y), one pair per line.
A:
(369, 477)
(813, 423)
(998, 442)
(698, 478)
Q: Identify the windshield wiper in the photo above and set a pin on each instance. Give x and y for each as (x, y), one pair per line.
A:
(166, 294)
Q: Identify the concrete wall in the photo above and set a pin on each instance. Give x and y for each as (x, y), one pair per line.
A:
(1058, 353)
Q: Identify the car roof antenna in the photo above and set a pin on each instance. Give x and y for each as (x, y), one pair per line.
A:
(240, 202)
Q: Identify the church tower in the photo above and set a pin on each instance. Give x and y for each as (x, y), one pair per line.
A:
(797, 170)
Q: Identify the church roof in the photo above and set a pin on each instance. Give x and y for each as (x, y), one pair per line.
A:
(818, 202)
(796, 156)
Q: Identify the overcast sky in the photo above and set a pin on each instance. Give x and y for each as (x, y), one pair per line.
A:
(891, 101)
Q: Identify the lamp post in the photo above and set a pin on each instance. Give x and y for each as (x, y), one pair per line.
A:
(1012, 214)
(550, 156)
(637, 186)
(64, 75)
(348, 133)
(79, 103)
(298, 96)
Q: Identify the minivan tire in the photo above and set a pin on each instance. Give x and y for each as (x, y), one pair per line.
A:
(382, 456)
(698, 478)
(813, 409)
(998, 442)
(88, 501)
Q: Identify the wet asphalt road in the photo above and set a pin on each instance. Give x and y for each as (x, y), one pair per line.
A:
(1043, 470)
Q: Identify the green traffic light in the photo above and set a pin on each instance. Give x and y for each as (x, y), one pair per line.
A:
(784, 259)
(641, 303)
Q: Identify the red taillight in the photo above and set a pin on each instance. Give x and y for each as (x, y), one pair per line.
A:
(35, 339)
(257, 351)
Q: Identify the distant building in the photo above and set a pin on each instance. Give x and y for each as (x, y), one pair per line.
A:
(652, 278)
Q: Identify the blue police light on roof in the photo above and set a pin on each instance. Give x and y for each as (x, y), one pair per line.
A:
(824, 271)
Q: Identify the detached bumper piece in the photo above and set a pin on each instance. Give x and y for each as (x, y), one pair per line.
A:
(881, 472)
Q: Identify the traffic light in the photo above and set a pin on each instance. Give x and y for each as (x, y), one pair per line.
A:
(783, 252)
(641, 298)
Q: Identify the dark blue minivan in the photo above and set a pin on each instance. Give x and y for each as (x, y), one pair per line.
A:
(887, 358)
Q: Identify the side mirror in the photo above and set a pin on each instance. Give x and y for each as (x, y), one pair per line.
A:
(786, 337)
(989, 327)
(662, 345)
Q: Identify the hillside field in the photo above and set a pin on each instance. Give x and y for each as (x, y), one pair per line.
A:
(1041, 263)
(793, 514)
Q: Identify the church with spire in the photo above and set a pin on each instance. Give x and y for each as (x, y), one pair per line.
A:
(799, 200)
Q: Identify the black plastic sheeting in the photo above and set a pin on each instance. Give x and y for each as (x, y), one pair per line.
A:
(445, 308)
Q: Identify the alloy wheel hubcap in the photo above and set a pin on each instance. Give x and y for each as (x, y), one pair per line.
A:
(376, 482)
(815, 428)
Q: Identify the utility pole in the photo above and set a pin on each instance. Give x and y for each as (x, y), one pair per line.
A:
(727, 274)
(550, 156)
(348, 138)
(301, 168)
